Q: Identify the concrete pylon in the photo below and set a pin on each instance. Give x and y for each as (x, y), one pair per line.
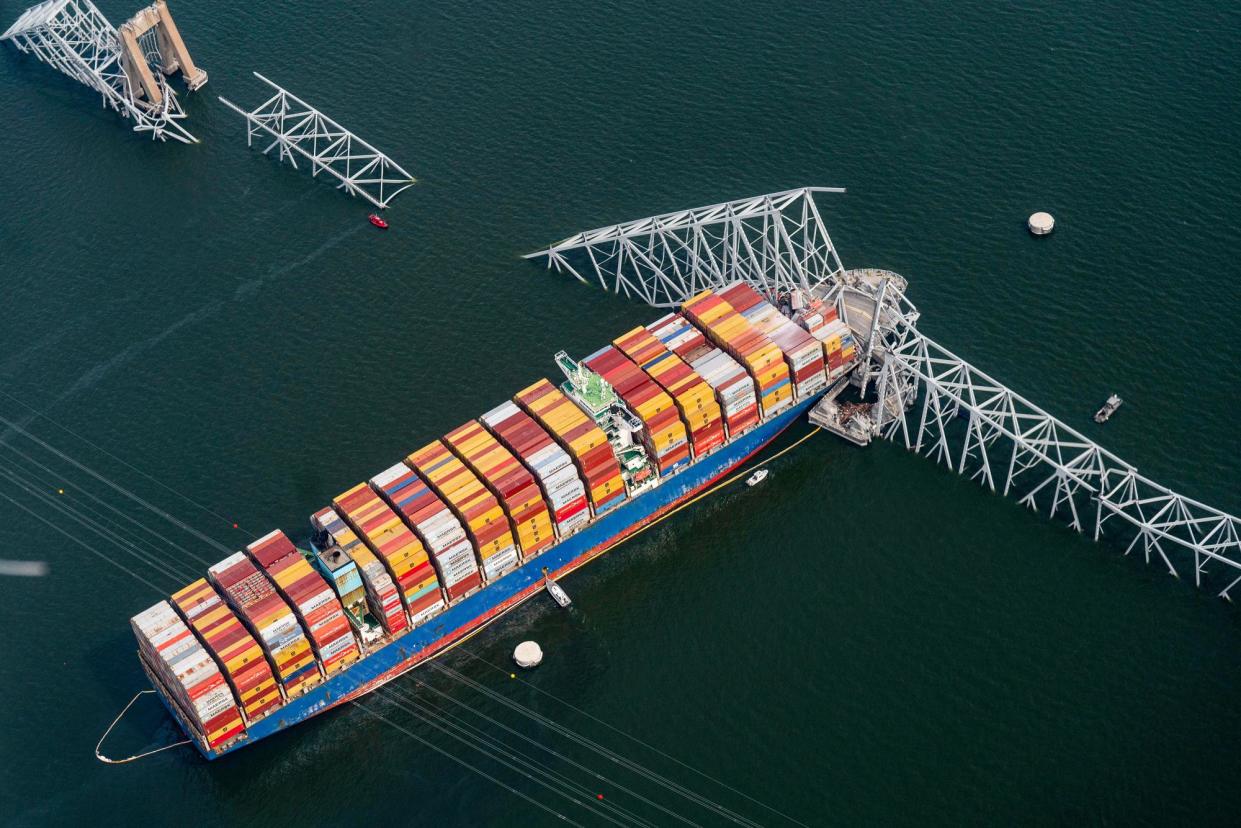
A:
(173, 54)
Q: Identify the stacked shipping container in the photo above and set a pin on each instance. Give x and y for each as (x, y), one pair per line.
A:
(435, 524)
(381, 591)
(235, 650)
(734, 390)
(546, 460)
(270, 619)
(802, 352)
(343, 575)
(189, 672)
(825, 325)
(581, 437)
(399, 549)
(510, 482)
(312, 600)
(693, 396)
(761, 358)
(473, 504)
(664, 436)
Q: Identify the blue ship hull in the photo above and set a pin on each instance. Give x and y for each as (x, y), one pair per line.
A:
(488, 604)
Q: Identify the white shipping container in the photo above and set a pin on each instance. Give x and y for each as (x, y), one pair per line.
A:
(574, 522)
(500, 413)
(426, 614)
(193, 668)
(152, 615)
(390, 475)
(316, 601)
(167, 632)
(214, 702)
(569, 486)
(280, 627)
(566, 475)
(500, 563)
(212, 601)
(337, 645)
(450, 576)
(231, 560)
(549, 459)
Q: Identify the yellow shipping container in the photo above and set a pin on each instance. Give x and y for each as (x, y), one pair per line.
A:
(246, 656)
(257, 704)
(258, 691)
(216, 734)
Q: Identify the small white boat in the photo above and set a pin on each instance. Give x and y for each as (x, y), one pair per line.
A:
(556, 591)
(1109, 408)
(756, 478)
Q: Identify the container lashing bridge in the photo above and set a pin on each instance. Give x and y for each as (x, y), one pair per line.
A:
(919, 393)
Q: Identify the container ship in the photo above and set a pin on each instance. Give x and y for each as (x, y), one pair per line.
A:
(404, 564)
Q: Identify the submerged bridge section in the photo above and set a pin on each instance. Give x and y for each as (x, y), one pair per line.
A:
(910, 389)
(127, 67)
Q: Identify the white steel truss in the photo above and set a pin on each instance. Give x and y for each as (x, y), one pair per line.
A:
(777, 241)
(939, 405)
(302, 131)
(933, 401)
(75, 38)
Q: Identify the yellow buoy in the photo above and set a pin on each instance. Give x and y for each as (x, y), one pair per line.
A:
(62, 491)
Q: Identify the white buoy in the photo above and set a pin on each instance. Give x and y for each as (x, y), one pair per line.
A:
(528, 654)
(1041, 223)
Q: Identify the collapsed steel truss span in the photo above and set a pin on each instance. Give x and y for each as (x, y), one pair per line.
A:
(75, 38)
(300, 130)
(939, 405)
(772, 241)
(926, 397)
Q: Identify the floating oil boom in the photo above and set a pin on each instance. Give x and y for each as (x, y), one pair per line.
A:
(921, 393)
(128, 66)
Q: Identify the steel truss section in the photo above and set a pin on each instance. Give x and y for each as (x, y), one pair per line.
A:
(302, 131)
(933, 401)
(939, 405)
(75, 38)
(775, 241)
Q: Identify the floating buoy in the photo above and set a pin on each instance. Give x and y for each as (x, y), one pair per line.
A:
(60, 491)
(1041, 223)
(599, 797)
(528, 654)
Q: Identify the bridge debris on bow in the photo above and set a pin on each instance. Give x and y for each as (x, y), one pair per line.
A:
(301, 131)
(917, 391)
(127, 67)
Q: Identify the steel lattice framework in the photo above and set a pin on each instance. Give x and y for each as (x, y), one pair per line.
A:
(74, 37)
(939, 405)
(776, 241)
(302, 131)
(931, 400)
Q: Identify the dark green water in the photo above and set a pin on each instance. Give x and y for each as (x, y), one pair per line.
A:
(866, 638)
